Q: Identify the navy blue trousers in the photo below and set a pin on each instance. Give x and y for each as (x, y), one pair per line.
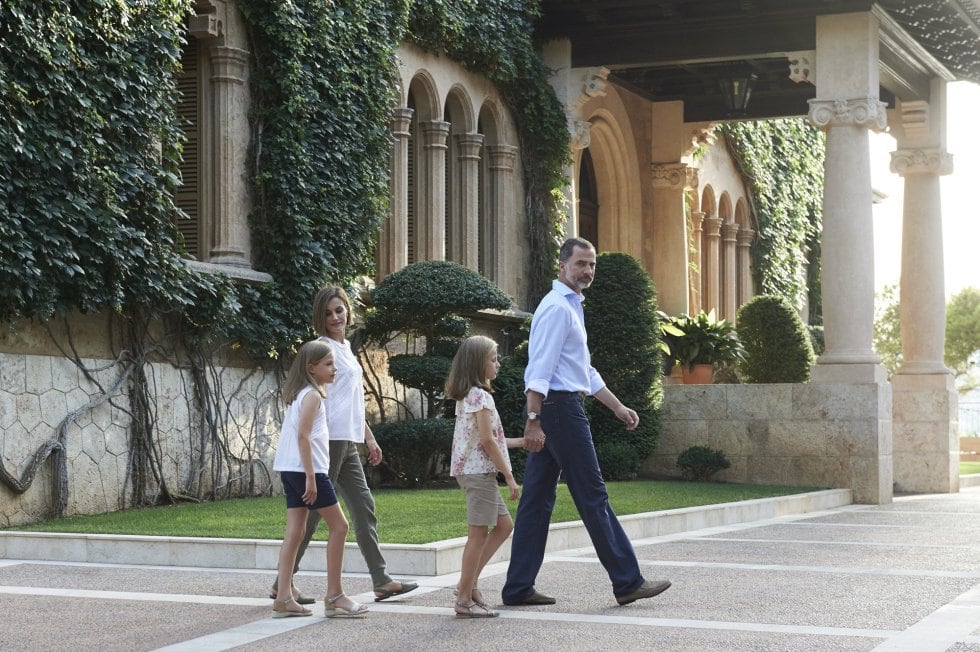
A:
(570, 453)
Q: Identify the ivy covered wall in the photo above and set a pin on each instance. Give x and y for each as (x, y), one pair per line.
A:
(89, 153)
(87, 221)
(782, 163)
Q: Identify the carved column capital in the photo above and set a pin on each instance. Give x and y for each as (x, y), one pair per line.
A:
(863, 112)
(922, 161)
(502, 157)
(434, 134)
(697, 218)
(712, 226)
(229, 64)
(729, 230)
(745, 236)
(469, 145)
(670, 175)
(401, 120)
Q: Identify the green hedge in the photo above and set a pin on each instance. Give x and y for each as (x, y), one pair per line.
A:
(417, 451)
(621, 320)
(777, 344)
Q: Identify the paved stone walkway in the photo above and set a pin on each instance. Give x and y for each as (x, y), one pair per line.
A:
(904, 576)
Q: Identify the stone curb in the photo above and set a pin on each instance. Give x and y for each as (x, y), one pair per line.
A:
(438, 558)
(972, 480)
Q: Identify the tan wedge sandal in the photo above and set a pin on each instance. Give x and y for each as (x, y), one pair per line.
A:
(281, 609)
(332, 610)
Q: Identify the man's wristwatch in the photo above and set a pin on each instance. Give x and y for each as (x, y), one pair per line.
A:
(532, 416)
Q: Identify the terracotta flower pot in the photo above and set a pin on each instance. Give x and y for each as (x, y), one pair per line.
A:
(701, 374)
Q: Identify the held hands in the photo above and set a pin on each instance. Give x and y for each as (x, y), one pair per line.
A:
(533, 436)
(627, 416)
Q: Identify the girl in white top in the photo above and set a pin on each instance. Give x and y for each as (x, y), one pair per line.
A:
(348, 429)
(303, 460)
(479, 454)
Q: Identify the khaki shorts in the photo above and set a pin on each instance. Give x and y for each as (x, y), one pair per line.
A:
(483, 500)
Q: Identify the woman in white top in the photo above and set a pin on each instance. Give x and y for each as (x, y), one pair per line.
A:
(348, 427)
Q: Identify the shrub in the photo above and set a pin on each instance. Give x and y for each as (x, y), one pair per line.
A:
(777, 344)
(699, 463)
(427, 300)
(416, 451)
(701, 339)
(620, 317)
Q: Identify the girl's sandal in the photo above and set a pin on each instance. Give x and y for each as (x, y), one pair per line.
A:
(282, 609)
(475, 595)
(474, 610)
(333, 610)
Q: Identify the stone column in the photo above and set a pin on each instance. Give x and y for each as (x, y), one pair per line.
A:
(393, 249)
(669, 237)
(846, 107)
(697, 283)
(712, 264)
(500, 263)
(229, 106)
(729, 276)
(431, 219)
(745, 289)
(466, 235)
(926, 446)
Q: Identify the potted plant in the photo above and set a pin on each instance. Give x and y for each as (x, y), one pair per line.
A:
(702, 343)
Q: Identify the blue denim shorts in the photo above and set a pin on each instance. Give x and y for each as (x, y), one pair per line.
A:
(294, 486)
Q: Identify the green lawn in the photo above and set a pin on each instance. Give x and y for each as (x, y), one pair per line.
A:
(969, 468)
(405, 516)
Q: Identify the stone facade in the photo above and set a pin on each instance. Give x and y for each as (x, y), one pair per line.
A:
(825, 435)
(45, 396)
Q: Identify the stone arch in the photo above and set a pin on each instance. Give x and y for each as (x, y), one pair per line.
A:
(617, 183)
(709, 249)
(423, 97)
(496, 199)
(727, 262)
(743, 254)
(461, 186)
(426, 226)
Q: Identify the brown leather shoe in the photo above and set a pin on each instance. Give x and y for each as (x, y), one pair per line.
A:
(535, 598)
(646, 590)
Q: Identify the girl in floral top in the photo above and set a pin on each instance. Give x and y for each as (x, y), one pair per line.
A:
(479, 454)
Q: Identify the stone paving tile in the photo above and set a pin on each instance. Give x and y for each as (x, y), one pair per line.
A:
(828, 555)
(240, 583)
(59, 623)
(852, 579)
(831, 532)
(386, 633)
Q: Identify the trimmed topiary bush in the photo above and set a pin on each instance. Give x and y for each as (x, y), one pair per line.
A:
(777, 344)
(427, 300)
(624, 338)
(699, 463)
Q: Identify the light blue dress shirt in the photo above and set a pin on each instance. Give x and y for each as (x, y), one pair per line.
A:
(558, 351)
